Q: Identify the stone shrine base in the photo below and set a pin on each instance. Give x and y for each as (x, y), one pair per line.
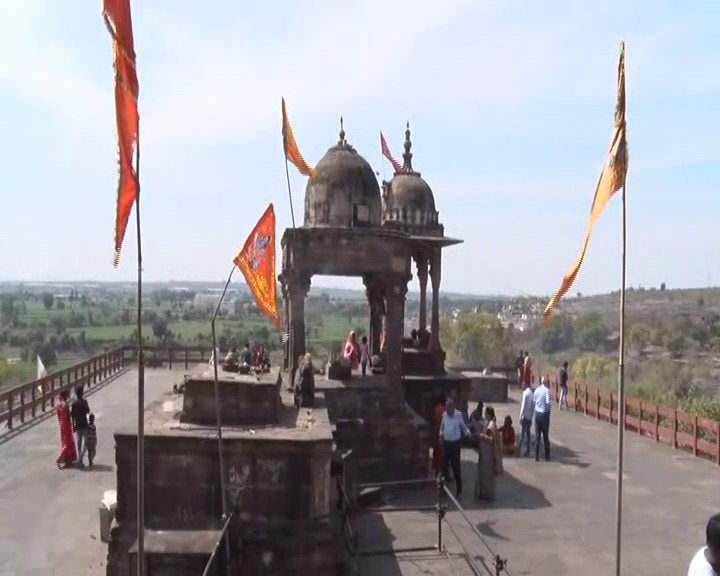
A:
(388, 442)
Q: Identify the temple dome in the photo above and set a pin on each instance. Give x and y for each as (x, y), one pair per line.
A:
(343, 190)
(410, 199)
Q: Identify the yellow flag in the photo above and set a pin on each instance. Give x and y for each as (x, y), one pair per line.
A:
(611, 180)
(292, 152)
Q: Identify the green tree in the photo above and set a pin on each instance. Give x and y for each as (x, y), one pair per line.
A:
(638, 336)
(476, 339)
(590, 332)
(557, 334)
(48, 300)
(8, 309)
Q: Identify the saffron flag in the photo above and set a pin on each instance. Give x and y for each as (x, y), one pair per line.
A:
(118, 20)
(386, 152)
(256, 261)
(292, 152)
(612, 178)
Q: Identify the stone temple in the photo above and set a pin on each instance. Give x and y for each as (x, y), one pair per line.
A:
(286, 460)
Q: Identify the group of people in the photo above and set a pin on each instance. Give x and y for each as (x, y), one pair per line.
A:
(76, 419)
(451, 431)
(247, 359)
(357, 353)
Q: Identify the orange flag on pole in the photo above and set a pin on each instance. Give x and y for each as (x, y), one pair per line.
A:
(256, 261)
(611, 180)
(292, 152)
(118, 20)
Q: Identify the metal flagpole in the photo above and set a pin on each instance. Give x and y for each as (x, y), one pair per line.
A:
(216, 384)
(290, 343)
(621, 396)
(141, 381)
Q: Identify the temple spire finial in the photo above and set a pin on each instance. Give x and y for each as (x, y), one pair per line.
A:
(407, 156)
(342, 142)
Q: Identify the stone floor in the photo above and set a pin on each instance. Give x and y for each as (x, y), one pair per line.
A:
(558, 518)
(49, 517)
(550, 518)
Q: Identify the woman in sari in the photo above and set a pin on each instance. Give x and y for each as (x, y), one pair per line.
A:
(352, 351)
(489, 458)
(68, 454)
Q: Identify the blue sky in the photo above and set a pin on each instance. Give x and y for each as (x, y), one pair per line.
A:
(510, 102)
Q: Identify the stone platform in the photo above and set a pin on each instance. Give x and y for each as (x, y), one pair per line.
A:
(245, 399)
(277, 478)
(488, 388)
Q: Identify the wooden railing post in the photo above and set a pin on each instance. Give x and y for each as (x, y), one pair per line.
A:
(33, 396)
(585, 399)
(695, 436)
(717, 442)
(186, 358)
(598, 403)
(11, 407)
(657, 423)
(675, 428)
(22, 405)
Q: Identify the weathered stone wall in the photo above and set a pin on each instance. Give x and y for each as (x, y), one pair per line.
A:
(243, 403)
(387, 444)
(271, 481)
(422, 392)
(489, 388)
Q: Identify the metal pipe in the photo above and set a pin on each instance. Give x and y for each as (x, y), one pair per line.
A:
(396, 483)
(216, 389)
(468, 556)
(223, 535)
(423, 508)
(390, 551)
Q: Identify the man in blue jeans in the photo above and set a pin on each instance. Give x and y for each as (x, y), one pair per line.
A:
(79, 416)
(452, 429)
(543, 402)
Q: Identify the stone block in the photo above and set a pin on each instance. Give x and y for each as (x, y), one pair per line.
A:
(488, 388)
(422, 392)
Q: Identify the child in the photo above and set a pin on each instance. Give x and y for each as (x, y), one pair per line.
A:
(91, 439)
(364, 354)
(507, 434)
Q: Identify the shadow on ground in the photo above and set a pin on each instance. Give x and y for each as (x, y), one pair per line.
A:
(376, 544)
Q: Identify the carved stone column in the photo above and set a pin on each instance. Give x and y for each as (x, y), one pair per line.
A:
(298, 287)
(374, 291)
(286, 321)
(395, 307)
(435, 265)
(421, 262)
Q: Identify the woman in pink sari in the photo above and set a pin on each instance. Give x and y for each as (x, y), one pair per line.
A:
(68, 454)
(352, 350)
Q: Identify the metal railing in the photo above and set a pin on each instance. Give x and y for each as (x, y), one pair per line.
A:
(440, 509)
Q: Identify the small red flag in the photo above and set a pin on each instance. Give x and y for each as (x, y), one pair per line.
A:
(386, 152)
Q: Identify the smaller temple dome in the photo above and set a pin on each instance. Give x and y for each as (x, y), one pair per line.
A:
(409, 198)
(343, 190)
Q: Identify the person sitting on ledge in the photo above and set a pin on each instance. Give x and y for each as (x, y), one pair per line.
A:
(351, 353)
(230, 364)
(245, 355)
(414, 338)
(423, 342)
(507, 434)
(262, 360)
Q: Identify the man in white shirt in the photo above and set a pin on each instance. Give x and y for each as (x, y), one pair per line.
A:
(542, 401)
(706, 561)
(527, 411)
(452, 429)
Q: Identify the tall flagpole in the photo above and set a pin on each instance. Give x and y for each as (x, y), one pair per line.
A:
(621, 396)
(216, 386)
(141, 381)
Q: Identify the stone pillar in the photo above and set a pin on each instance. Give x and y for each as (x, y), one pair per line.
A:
(286, 321)
(374, 291)
(435, 265)
(421, 262)
(298, 288)
(395, 307)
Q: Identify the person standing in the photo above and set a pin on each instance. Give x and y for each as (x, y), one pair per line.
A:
(563, 380)
(452, 429)
(527, 412)
(364, 355)
(706, 561)
(527, 369)
(91, 439)
(79, 413)
(542, 401)
(68, 454)
(519, 365)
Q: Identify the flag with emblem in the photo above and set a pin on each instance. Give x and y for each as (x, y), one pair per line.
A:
(292, 152)
(256, 261)
(118, 20)
(388, 155)
(612, 179)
